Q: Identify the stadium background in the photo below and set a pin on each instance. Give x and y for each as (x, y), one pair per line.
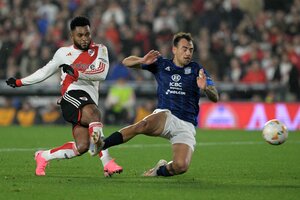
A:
(250, 47)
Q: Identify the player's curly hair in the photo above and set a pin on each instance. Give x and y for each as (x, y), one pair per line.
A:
(79, 21)
(181, 35)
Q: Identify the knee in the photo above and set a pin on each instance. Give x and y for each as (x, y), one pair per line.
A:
(82, 147)
(180, 167)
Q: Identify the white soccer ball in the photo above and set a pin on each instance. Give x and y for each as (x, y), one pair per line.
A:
(275, 132)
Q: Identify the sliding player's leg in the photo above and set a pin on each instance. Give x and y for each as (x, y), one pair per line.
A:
(182, 136)
(152, 125)
(180, 163)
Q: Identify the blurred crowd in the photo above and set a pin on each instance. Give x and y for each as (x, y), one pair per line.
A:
(237, 41)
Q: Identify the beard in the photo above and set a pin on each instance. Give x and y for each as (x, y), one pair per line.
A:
(83, 48)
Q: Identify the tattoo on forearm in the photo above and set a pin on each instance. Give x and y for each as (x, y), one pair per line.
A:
(212, 93)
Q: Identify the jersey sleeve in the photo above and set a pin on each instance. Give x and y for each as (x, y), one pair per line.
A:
(152, 67)
(45, 72)
(99, 68)
(209, 80)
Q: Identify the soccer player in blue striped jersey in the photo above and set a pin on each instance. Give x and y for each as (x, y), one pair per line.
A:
(180, 84)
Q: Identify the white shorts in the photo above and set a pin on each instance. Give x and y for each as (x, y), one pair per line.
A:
(177, 130)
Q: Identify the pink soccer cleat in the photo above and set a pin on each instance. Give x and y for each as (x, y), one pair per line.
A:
(41, 164)
(111, 168)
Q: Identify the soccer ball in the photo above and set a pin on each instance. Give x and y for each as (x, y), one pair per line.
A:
(275, 132)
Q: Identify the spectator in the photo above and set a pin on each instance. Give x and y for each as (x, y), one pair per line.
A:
(254, 74)
(7, 113)
(51, 115)
(114, 13)
(120, 103)
(164, 23)
(27, 115)
(224, 29)
(145, 109)
(234, 72)
(288, 77)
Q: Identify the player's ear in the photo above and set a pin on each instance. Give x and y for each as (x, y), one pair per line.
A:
(174, 49)
(71, 35)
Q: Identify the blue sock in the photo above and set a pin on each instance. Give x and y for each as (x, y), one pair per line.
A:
(163, 171)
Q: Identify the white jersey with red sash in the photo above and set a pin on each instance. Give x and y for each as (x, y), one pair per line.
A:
(92, 66)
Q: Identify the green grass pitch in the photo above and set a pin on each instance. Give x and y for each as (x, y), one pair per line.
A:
(226, 165)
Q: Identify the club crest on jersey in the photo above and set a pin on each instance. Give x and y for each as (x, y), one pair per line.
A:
(91, 52)
(176, 77)
(187, 70)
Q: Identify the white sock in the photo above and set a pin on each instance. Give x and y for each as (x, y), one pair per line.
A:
(104, 157)
(66, 151)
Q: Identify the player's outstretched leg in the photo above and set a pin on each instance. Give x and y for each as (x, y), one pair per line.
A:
(153, 171)
(42, 158)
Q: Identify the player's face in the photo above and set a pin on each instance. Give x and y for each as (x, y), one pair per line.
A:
(81, 37)
(183, 52)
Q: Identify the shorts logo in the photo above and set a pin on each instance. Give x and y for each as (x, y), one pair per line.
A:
(83, 98)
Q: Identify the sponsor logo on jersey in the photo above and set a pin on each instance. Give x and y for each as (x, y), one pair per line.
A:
(103, 60)
(175, 92)
(95, 70)
(92, 67)
(83, 98)
(175, 85)
(176, 77)
(80, 66)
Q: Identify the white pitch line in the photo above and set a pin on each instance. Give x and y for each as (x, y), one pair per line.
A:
(154, 145)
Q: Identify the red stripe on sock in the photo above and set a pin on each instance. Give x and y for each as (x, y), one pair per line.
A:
(68, 145)
(94, 124)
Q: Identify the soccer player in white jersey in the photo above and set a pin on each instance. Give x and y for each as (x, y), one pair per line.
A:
(180, 83)
(83, 65)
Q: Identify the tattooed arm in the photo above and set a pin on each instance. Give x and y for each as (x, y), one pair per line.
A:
(210, 90)
(212, 93)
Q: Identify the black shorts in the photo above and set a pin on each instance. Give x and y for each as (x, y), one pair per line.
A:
(71, 104)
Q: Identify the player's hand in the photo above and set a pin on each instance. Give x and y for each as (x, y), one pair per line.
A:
(67, 69)
(201, 80)
(150, 57)
(70, 71)
(13, 82)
